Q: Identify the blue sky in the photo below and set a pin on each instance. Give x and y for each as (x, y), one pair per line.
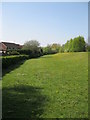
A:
(46, 22)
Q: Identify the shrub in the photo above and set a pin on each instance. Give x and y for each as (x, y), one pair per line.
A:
(32, 53)
(13, 53)
(48, 50)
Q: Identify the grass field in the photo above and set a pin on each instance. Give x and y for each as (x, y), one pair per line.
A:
(53, 86)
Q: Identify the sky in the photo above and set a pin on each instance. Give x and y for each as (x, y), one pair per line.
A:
(47, 22)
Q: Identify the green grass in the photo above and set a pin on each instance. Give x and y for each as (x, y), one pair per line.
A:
(53, 86)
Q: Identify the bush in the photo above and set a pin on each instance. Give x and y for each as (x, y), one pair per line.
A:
(11, 60)
(32, 53)
(13, 53)
(48, 50)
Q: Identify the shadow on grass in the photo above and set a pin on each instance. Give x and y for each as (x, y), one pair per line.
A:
(12, 67)
(23, 101)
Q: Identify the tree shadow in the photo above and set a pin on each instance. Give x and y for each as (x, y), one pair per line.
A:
(23, 101)
(12, 67)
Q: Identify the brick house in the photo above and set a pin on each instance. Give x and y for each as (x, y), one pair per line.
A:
(4, 46)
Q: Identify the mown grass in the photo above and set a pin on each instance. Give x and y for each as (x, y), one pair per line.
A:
(53, 86)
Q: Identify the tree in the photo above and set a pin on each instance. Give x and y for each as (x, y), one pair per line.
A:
(51, 49)
(70, 45)
(61, 48)
(55, 47)
(78, 44)
(47, 49)
(66, 46)
(31, 45)
(75, 45)
(32, 48)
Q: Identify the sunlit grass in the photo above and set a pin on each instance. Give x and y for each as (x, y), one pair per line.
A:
(53, 86)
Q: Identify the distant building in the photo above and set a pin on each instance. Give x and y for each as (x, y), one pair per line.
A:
(4, 46)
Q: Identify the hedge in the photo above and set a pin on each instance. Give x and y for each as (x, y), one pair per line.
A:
(11, 60)
(32, 54)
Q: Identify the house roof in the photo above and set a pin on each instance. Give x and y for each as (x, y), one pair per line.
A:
(11, 45)
(2, 46)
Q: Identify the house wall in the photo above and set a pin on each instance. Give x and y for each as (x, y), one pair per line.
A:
(4, 46)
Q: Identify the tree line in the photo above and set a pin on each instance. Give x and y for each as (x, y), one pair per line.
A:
(76, 44)
(34, 49)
